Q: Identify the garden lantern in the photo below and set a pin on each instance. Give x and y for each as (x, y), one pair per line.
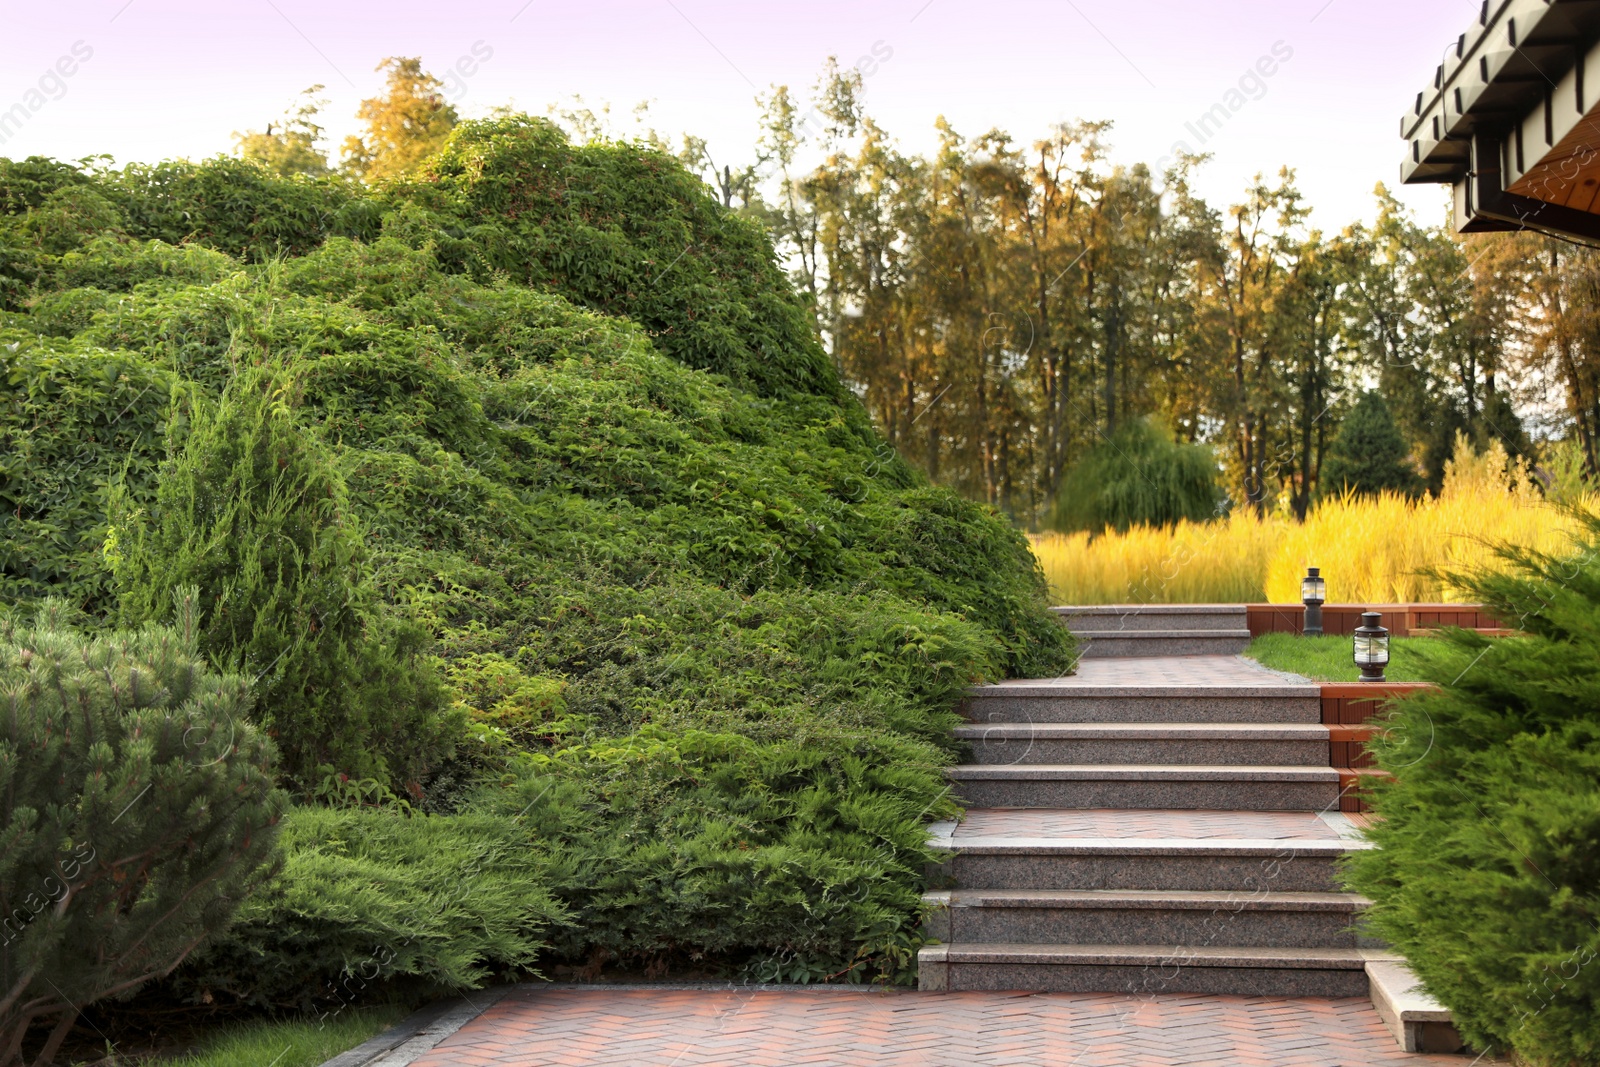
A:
(1371, 647)
(1313, 591)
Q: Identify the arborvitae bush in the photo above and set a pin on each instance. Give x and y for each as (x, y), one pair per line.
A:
(1487, 874)
(251, 511)
(137, 810)
(1140, 476)
(1369, 454)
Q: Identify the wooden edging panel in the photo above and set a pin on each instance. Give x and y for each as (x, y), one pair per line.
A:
(1340, 620)
(1347, 710)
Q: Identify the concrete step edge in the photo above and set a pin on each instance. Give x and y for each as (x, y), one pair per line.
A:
(1215, 847)
(1237, 610)
(1163, 635)
(1046, 691)
(1136, 772)
(1147, 900)
(1148, 731)
(1342, 959)
(1411, 1015)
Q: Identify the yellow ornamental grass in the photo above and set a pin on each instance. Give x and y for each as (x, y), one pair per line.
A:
(1372, 549)
(1190, 563)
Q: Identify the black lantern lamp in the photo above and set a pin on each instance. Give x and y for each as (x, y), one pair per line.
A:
(1371, 647)
(1314, 592)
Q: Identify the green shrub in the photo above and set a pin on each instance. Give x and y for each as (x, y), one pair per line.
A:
(369, 899)
(72, 422)
(666, 565)
(251, 511)
(136, 812)
(1140, 476)
(1487, 875)
(623, 229)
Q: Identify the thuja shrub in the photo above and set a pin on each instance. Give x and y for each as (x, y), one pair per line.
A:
(136, 811)
(251, 511)
(1487, 874)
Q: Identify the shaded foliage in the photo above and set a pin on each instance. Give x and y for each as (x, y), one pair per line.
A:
(1486, 877)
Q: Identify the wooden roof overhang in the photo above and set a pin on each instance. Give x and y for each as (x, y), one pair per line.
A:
(1512, 120)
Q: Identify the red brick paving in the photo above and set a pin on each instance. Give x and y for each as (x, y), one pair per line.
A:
(544, 1026)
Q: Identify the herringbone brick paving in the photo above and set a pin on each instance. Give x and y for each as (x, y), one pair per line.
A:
(543, 1026)
(1113, 823)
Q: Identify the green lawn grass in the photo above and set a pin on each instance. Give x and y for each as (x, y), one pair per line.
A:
(289, 1043)
(1327, 659)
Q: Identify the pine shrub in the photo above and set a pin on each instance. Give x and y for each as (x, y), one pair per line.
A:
(1487, 874)
(136, 812)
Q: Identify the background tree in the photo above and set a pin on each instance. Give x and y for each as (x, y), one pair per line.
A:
(404, 127)
(1369, 455)
(1140, 476)
(288, 145)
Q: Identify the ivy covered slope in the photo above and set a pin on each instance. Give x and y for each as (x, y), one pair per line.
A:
(589, 443)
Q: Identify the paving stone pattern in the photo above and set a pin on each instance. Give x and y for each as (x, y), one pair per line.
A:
(636, 1027)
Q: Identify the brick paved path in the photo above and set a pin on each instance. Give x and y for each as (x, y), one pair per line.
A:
(544, 1026)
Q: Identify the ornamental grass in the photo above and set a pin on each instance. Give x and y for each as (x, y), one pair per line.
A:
(1386, 548)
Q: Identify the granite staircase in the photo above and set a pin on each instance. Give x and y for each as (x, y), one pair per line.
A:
(1158, 629)
(1152, 825)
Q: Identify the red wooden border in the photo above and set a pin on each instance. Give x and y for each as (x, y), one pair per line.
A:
(1402, 620)
(1347, 710)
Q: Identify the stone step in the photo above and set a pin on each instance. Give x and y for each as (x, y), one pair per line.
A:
(1042, 702)
(1144, 917)
(1147, 643)
(1214, 744)
(1418, 1022)
(1168, 617)
(1146, 969)
(1226, 865)
(1164, 786)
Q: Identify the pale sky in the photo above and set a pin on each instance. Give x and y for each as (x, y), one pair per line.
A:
(173, 78)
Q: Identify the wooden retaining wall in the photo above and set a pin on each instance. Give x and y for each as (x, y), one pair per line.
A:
(1347, 711)
(1401, 620)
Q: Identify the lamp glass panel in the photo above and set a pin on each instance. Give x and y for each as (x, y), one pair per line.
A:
(1371, 650)
(1313, 588)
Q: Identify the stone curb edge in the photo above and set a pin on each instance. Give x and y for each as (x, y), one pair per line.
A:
(406, 1041)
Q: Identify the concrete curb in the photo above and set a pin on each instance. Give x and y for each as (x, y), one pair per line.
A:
(405, 1042)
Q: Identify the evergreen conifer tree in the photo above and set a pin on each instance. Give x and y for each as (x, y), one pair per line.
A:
(252, 511)
(1487, 871)
(1369, 455)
